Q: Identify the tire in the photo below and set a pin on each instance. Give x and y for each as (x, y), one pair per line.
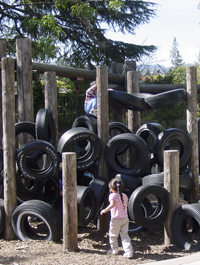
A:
(99, 186)
(172, 139)
(184, 235)
(27, 188)
(149, 132)
(116, 128)
(43, 170)
(127, 101)
(31, 213)
(167, 98)
(86, 121)
(86, 205)
(129, 182)
(2, 216)
(147, 211)
(45, 126)
(136, 200)
(25, 127)
(50, 191)
(67, 143)
(139, 163)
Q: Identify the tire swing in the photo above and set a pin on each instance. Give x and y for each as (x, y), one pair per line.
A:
(2, 216)
(186, 227)
(36, 220)
(127, 101)
(160, 208)
(86, 205)
(44, 167)
(139, 162)
(173, 139)
(45, 126)
(68, 141)
(167, 98)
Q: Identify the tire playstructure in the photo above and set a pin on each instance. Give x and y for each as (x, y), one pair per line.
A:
(82, 139)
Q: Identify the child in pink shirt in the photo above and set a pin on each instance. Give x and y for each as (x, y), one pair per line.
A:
(119, 219)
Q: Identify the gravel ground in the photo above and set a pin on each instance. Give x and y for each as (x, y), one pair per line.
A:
(148, 247)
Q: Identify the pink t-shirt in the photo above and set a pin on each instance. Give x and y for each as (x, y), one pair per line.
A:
(118, 211)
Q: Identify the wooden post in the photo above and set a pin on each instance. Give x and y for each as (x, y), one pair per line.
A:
(133, 87)
(192, 129)
(2, 54)
(70, 219)
(8, 97)
(102, 115)
(171, 183)
(117, 113)
(24, 80)
(103, 132)
(50, 94)
(128, 66)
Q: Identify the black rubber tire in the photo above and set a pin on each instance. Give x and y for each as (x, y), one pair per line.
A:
(181, 236)
(139, 167)
(127, 101)
(86, 121)
(129, 182)
(136, 200)
(100, 186)
(25, 127)
(86, 205)
(186, 181)
(67, 142)
(167, 98)
(27, 188)
(162, 143)
(45, 126)
(2, 216)
(149, 132)
(50, 191)
(116, 128)
(38, 173)
(43, 212)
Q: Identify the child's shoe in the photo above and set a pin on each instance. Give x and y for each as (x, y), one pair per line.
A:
(128, 255)
(113, 251)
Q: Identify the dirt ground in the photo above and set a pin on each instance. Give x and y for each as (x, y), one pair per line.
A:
(148, 247)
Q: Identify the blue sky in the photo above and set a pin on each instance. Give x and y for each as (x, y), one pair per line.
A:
(175, 18)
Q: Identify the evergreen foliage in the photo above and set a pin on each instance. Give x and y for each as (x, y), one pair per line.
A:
(72, 29)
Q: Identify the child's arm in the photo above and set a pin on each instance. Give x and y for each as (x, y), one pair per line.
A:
(108, 208)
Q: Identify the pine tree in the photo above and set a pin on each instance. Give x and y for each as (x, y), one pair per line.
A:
(72, 29)
(175, 56)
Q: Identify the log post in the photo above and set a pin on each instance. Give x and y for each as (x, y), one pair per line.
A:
(50, 95)
(69, 189)
(2, 54)
(192, 128)
(103, 131)
(133, 118)
(24, 80)
(171, 184)
(8, 103)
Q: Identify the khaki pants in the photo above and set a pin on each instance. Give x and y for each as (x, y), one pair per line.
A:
(119, 226)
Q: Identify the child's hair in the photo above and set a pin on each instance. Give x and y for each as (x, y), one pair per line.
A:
(116, 185)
